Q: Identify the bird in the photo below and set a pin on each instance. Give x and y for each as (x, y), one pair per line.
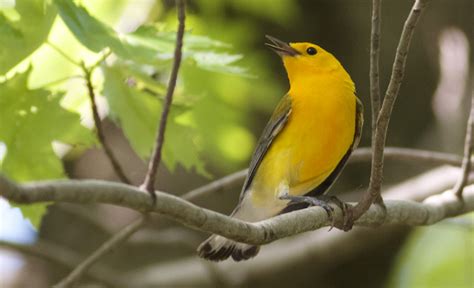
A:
(303, 148)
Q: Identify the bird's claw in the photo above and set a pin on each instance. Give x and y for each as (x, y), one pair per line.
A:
(323, 202)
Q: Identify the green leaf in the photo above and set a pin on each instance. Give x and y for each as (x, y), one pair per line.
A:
(96, 35)
(30, 120)
(137, 112)
(220, 62)
(88, 30)
(33, 212)
(147, 45)
(23, 30)
(437, 256)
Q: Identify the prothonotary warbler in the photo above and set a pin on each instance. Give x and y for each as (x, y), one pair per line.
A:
(303, 148)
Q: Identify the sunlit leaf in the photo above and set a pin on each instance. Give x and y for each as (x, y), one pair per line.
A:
(25, 31)
(30, 120)
(137, 112)
(148, 44)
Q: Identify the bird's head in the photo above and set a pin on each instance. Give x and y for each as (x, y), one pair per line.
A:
(302, 59)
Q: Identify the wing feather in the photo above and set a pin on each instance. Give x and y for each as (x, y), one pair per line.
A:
(272, 129)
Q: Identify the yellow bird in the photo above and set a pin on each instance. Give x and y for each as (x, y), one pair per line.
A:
(303, 148)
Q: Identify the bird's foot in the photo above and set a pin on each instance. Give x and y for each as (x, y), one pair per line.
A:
(320, 201)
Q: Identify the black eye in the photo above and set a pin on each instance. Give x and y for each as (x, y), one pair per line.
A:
(311, 51)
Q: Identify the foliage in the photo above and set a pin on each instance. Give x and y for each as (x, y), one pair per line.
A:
(23, 29)
(43, 85)
(28, 125)
(437, 256)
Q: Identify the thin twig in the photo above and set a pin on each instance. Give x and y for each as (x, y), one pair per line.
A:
(149, 182)
(414, 156)
(375, 36)
(221, 184)
(374, 62)
(58, 255)
(106, 53)
(468, 145)
(105, 248)
(182, 211)
(98, 125)
(398, 71)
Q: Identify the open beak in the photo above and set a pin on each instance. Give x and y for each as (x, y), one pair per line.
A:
(280, 47)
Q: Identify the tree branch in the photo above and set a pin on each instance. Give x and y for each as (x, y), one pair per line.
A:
(217, 185)
(88, 191)
(149, 182)
(64, 257)
(116, 240)
(374, 63)
(398, 71)
(409, 155)
(98, 125)
(468, 145)
(324, 250)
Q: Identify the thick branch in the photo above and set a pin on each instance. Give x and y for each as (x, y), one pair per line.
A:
(149, 182)
(100, 132)
(468, 145)
(324, 250)
(88, 191)
(398, 71)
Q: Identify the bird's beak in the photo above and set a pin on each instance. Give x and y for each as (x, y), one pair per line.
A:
(280, 47)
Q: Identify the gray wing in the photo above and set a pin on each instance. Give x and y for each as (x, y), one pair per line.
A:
(274, 126)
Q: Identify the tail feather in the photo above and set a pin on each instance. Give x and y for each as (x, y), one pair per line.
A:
(218, 248)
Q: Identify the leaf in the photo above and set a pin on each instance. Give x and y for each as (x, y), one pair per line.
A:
(88, 30)
(30, 120)
(137, 112)
(220, 62)
(436, 256)
(33, 212)
(96, 35)
(147, 45)
(23, 33)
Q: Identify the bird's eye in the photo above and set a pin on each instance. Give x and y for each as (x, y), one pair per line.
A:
(311, 51)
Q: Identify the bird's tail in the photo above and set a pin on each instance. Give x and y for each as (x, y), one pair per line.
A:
(218, 248)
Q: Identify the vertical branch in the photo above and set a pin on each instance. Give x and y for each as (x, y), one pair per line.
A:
(374, 62)
(375, 35)
(149, 182)
(98, 125)
(468, 145)
(383, 119)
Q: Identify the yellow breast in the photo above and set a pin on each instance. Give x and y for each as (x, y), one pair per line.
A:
(318, 133)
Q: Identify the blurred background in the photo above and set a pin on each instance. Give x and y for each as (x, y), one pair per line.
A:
(223, 101)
